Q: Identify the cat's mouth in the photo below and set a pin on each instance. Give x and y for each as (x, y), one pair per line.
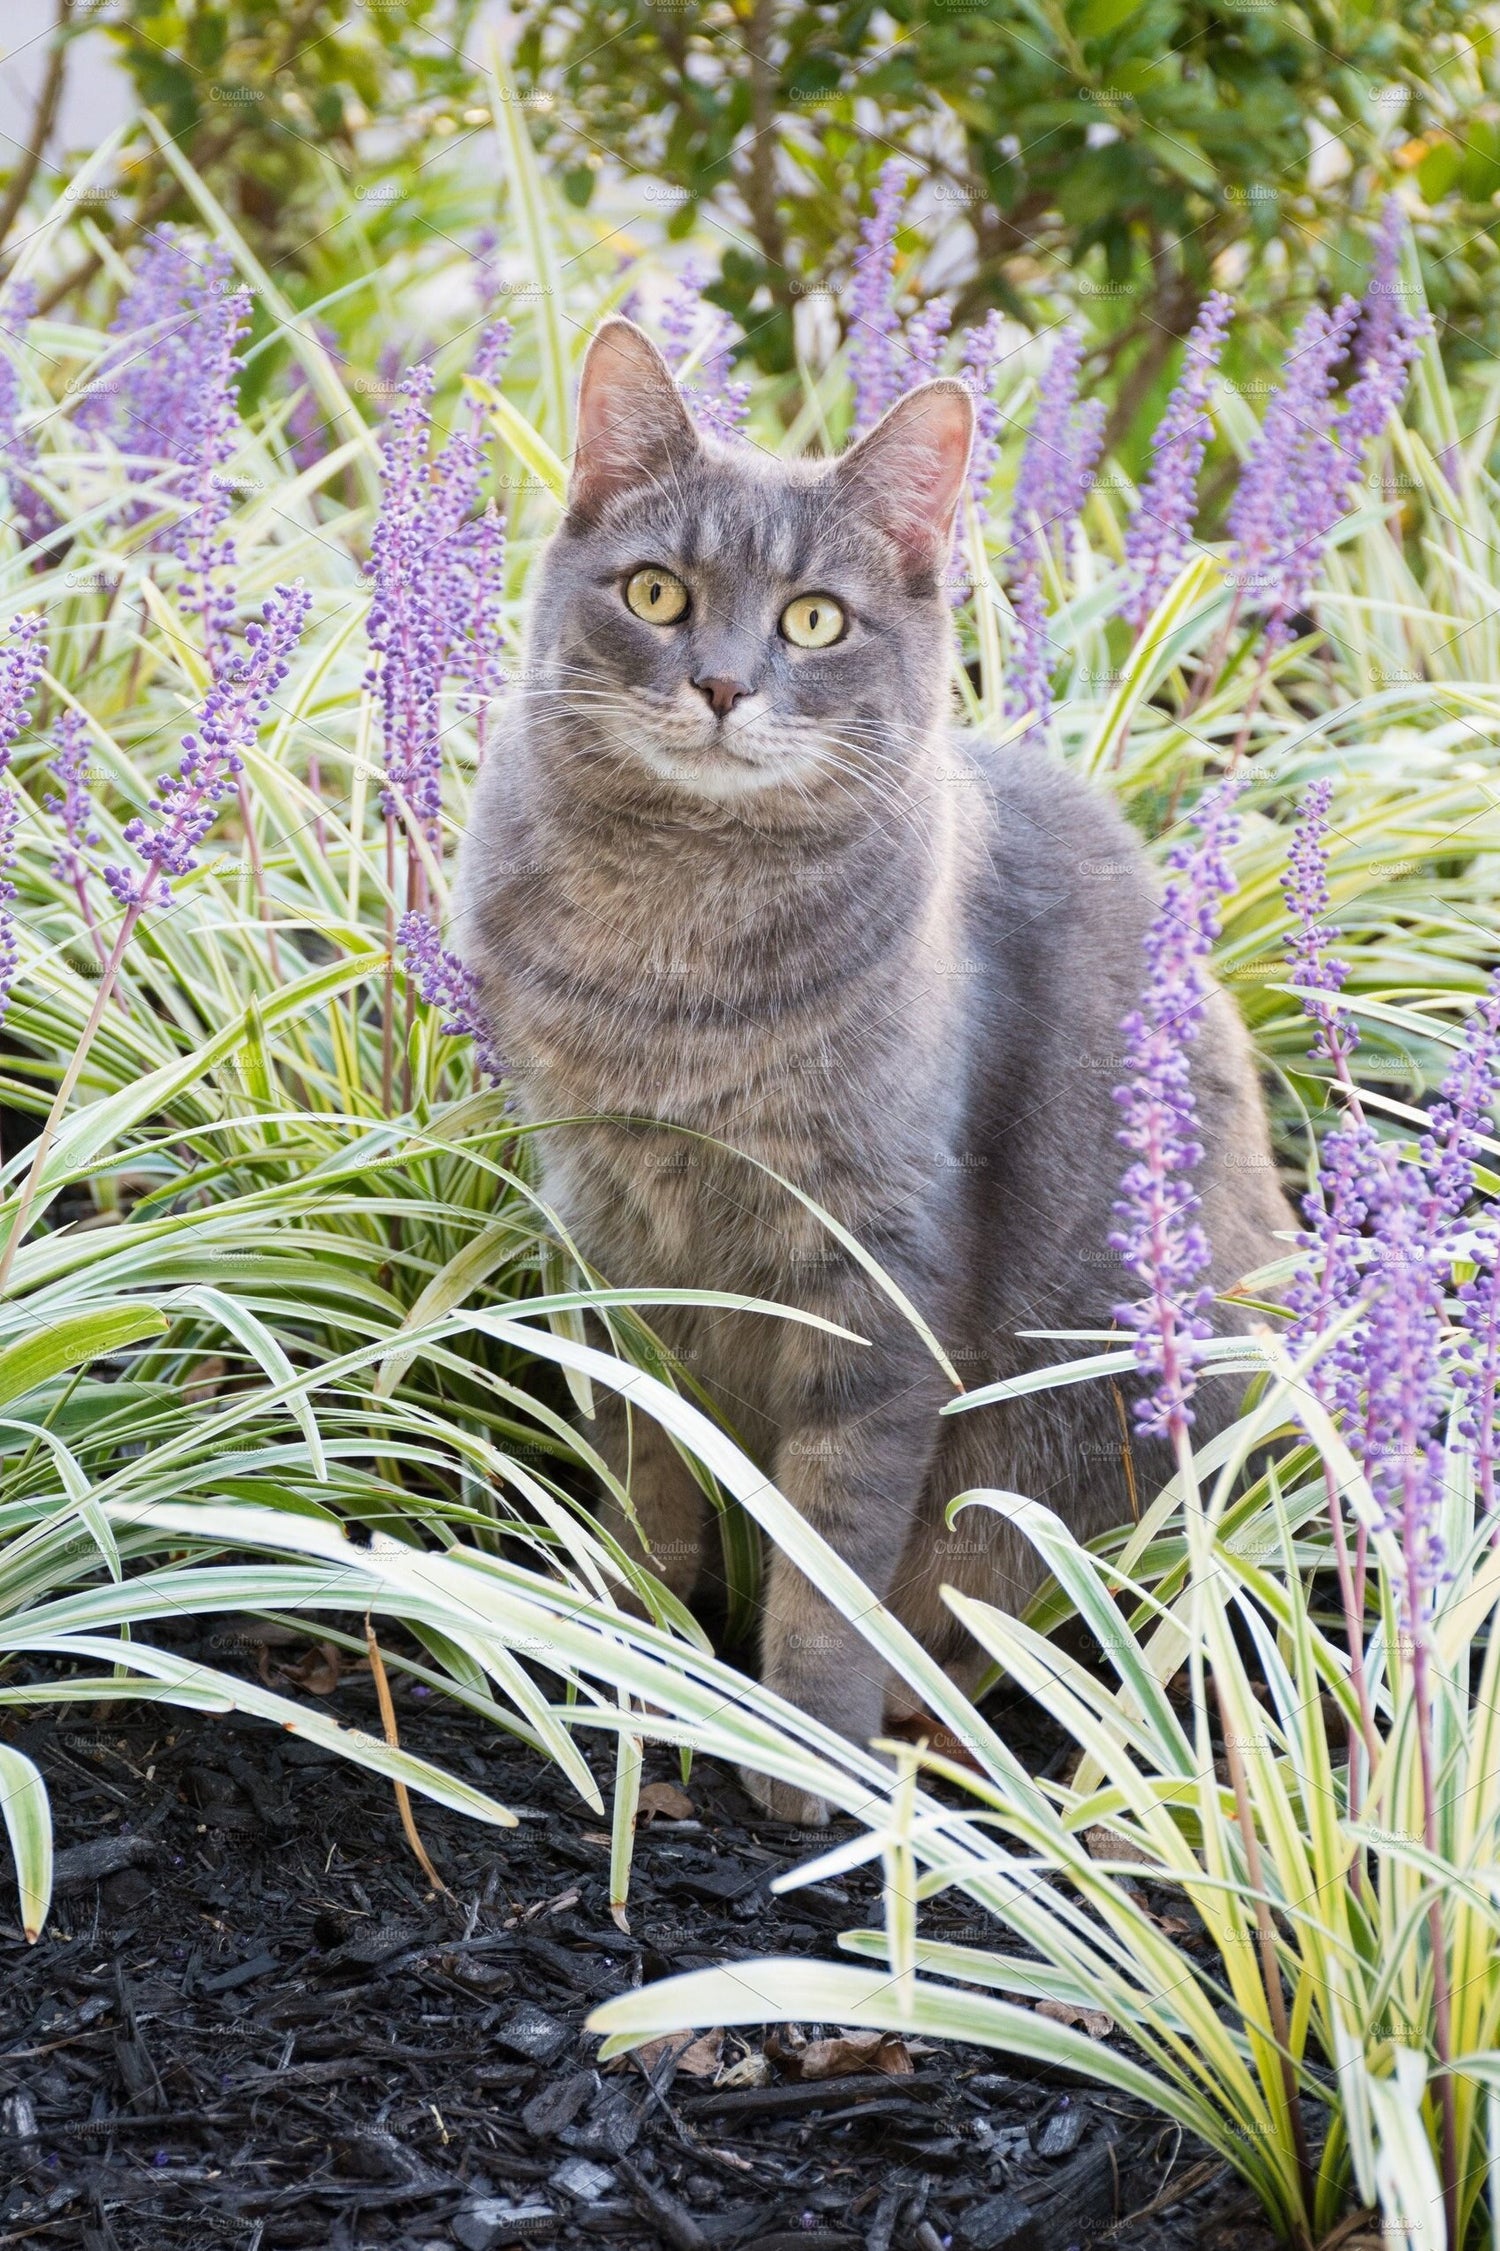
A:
(682, 742)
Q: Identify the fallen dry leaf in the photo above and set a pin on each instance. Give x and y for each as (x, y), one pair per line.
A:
(753, 2070)
(663, 1801)
(848, 2052)
(319, 1672)
(921, 1727)
(696, 2054)
(1108, 1844)
(1094, 2021)
(204, 1378)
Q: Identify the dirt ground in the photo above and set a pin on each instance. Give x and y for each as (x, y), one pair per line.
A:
(252, 2023)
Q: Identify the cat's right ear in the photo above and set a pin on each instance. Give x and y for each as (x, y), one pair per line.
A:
(633, 428)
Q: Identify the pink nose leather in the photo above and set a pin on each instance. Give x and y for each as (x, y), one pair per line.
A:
(722, 695)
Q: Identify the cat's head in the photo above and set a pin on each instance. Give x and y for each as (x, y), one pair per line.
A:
(734, 627)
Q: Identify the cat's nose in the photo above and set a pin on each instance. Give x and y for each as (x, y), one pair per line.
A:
(720, 694)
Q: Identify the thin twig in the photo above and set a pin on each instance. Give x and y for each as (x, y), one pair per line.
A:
(43, 118)
(393, 1739)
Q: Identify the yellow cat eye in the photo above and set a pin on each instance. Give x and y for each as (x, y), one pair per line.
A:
(813, 621)
(656, 595)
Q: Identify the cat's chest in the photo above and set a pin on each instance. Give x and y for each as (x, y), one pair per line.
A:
(688, 992)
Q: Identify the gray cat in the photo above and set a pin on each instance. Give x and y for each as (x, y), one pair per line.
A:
(729, 868)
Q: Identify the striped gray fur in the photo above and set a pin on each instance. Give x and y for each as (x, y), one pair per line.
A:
(824, 936)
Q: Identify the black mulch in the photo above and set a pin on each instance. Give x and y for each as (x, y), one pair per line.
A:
(251, 2023)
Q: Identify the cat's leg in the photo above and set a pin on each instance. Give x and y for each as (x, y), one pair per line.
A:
(681, 1541)
(979, 1554)
(853, 1461)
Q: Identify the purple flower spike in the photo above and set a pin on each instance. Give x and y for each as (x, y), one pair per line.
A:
(1462, 1110)
(1160, 532)
(10, 951)
(872, 313)
(1382, 316)
(1303, 472)
(925, 335)
(1269, 524)
(184, 811)
(145, 391)
(307, 422)
(449, 984)
(1406, 1406)
(32, 516)
(477, 659)
(1317, 975)
(74, 810)
(1057, 462)
(1159, 1237)
(1331, 1278)
(681, 313)
(1476, 1378)
(209, 441)
(1061, 448)
(980, 356)
(1389, 340)
(435, 573)
(22, 656)
(403, 628)
(23, 653)
(717, 402)
(981, 360)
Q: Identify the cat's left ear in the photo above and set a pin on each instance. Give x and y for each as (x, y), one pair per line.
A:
(907, 475)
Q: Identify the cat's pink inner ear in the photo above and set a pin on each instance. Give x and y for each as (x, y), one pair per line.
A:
(633, 428)
(908, 474)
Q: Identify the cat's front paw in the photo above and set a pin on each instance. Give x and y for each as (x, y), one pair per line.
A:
(783, 1801)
